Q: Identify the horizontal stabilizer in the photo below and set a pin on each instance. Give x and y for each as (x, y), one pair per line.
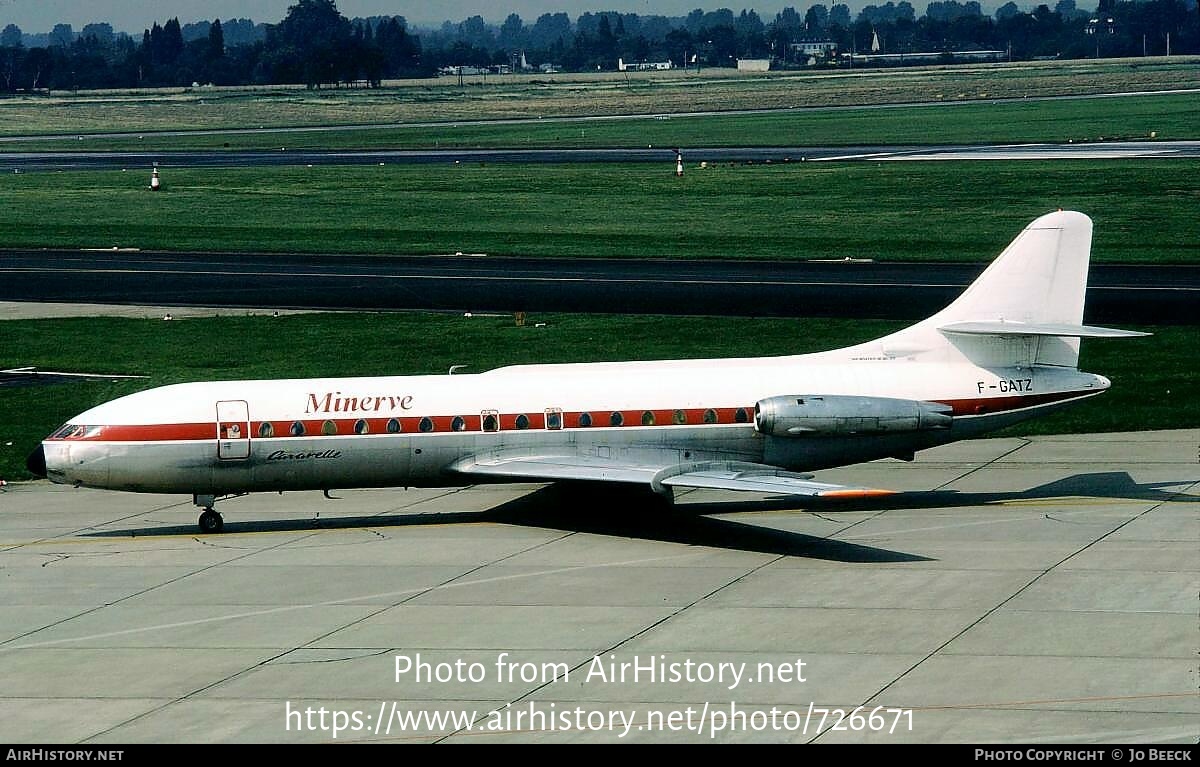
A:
(1002, 328)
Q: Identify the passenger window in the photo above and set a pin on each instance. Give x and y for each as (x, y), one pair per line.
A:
(329, 428)
(741, 416)
(393, 426)
(679, 417)
(297, 429)
(710, 416)
(265, 429)
(522, 421)
(585, 420)
(458, 424)
(491, 420)
(615, 418)
(361, 426)
(648, 418)
(553, 419)
(426, 424)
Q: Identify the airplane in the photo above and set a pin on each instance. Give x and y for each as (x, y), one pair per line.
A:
(1004, 351)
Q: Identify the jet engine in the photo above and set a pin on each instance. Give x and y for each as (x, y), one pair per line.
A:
(839, 415)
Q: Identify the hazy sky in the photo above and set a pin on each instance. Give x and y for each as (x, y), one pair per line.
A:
(135, 15)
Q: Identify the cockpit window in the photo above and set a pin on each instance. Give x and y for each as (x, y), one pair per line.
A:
(91, 432)
(65, 431)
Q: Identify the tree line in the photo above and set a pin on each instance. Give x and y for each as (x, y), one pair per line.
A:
(316, 45)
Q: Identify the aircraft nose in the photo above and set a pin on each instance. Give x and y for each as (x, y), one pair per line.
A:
(36, 462)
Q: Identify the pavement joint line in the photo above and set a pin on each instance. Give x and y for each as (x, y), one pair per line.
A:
(626, 640)
(248, 553)
(410, 594)
(408, 598)
(97, 608)
(283, 653)
(131, 596)
(394, 510)
(96, 526)
(1105, 529)
(1005, 601)
(646, 629)
(1025, 442)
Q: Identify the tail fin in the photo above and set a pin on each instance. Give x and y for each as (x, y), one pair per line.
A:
(1040, 277)
(1025, 309)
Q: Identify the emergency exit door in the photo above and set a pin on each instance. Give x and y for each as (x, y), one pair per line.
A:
(233, 430)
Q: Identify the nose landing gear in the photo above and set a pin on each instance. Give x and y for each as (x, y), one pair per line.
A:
(210, 520)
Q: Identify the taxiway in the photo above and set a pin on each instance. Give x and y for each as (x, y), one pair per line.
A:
(1036, 590)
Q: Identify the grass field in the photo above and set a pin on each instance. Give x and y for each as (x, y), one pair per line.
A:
(1145, 210)
(571, 95)
(1154, 381)
(1168, 117)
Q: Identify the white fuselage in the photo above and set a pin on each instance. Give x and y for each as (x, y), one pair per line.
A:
(240, 436)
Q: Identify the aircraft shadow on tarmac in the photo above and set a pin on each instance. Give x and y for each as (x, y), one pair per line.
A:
(611, 512)
(603, 511)
(1115, 485)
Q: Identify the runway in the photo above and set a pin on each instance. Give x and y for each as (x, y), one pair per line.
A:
(99, 160)
(904, 291)
(1035, 591)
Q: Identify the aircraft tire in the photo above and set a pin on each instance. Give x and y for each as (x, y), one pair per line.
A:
(211, 522)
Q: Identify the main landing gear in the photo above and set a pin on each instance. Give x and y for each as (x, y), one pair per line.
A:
(210, 520)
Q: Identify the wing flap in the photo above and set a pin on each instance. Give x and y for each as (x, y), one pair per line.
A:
(766, 479)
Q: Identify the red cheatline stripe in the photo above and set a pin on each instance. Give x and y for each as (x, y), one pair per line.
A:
(989, 405)
(443, 424)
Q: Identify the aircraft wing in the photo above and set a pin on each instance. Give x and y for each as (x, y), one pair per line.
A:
(556, 467)
(757, 478)
(720, 475)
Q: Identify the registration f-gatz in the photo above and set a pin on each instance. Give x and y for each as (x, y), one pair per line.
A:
(1005, 350)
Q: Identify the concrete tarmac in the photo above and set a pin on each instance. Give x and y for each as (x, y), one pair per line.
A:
(1032, 591)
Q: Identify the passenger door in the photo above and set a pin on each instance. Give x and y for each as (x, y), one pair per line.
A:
(233, 430)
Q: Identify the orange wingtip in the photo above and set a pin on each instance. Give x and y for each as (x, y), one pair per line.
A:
(865, 492)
